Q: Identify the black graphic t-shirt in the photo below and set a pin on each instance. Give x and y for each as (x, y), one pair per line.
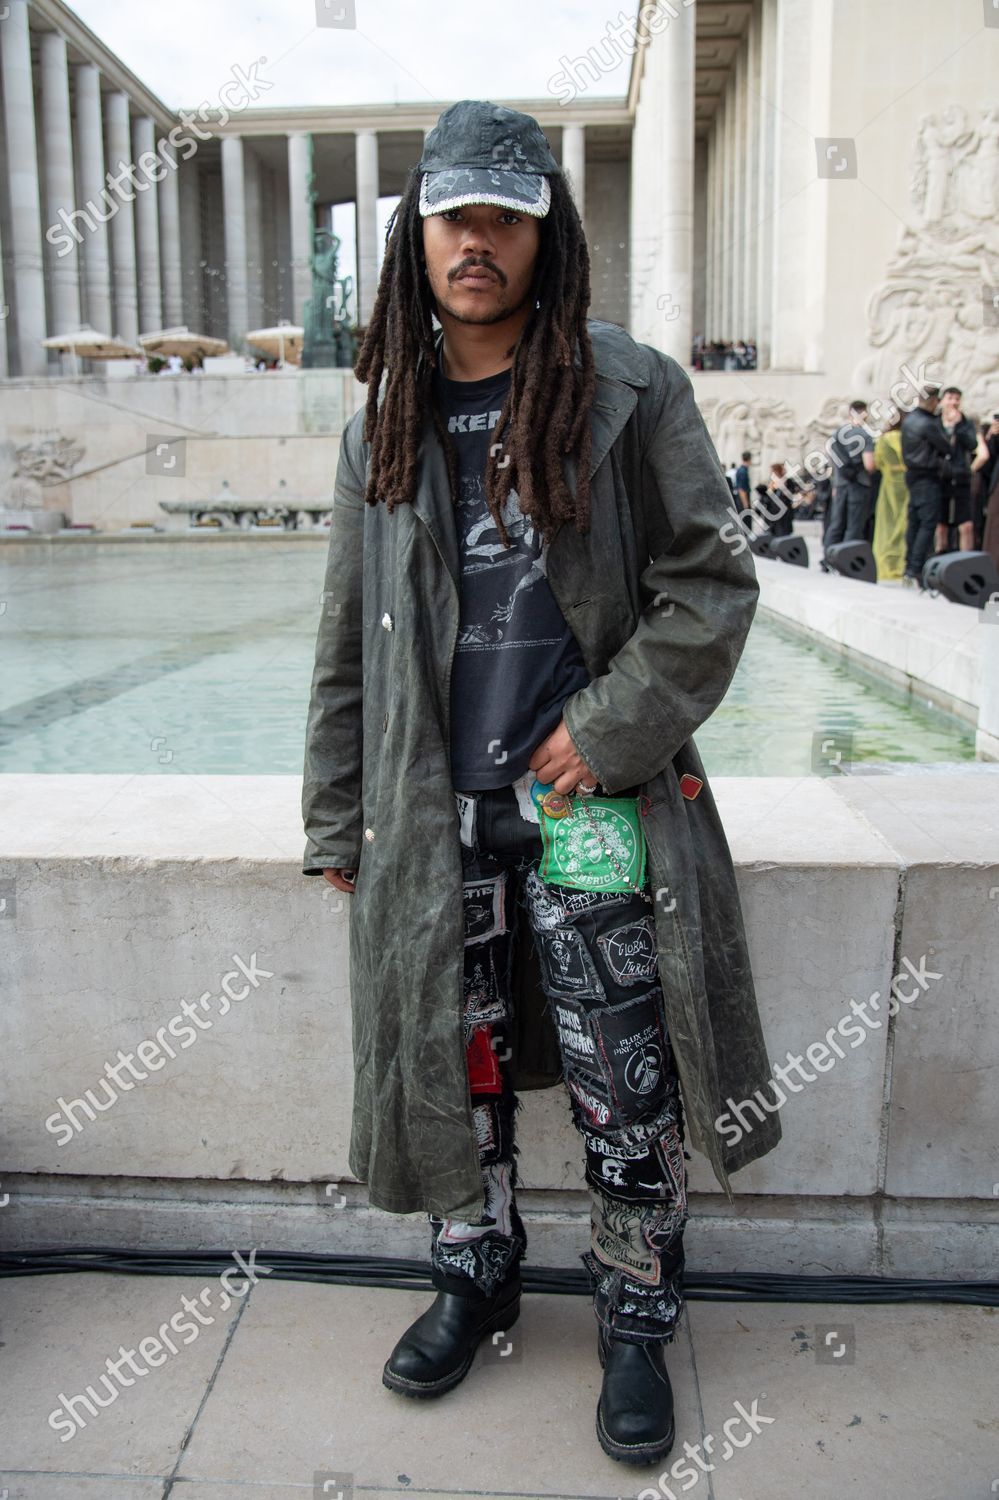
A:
(516, 660)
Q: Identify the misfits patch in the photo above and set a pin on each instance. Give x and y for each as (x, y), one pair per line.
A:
(594, 1108)
(484, 908)
(566, 964)
(630, 951)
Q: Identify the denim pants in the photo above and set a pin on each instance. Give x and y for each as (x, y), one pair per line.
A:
(597, 955)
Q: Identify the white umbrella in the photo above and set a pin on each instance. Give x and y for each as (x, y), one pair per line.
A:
(285, 340)
(87, 343)
(181, 341)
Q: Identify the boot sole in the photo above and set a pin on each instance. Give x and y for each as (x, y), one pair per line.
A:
(501, 1320)
(634, 1453)
(627, 1453)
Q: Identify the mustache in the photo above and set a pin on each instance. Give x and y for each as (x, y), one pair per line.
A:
(468, 265)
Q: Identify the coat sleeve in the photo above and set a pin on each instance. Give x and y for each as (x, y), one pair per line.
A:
(331, 781)
(700, 593)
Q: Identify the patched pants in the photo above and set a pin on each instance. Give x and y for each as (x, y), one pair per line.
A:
(597, 954)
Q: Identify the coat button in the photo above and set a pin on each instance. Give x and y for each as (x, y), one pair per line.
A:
(387, 620)
(369, 834)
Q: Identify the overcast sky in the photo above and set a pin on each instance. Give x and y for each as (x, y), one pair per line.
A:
(397, 51)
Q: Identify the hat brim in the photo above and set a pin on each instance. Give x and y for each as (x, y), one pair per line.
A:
(521, 192)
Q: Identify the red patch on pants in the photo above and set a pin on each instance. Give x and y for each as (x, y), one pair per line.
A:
(483, 1064)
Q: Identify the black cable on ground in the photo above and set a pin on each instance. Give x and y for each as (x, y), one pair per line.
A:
(413, 1275)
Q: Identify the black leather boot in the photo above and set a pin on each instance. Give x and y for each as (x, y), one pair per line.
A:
(436, 1352)
(635, 1420)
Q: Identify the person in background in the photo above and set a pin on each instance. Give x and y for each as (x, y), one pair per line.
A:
(990, 490)
(925, 447)
(777, 501)
(742, 480)
(955, 513)
(891, 517)
(851, 449)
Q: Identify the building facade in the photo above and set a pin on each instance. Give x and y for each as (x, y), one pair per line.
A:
(817, 178)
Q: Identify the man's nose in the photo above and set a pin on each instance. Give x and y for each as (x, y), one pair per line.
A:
(478, 242)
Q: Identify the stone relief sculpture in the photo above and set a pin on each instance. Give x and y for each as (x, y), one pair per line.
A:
(27, 472)
(939, 301)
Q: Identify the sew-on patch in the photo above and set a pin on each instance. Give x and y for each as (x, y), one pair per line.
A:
(484, 1000)
(617, 1239)
(466, 819)
(566, 964)
(629, 951)
(522, 789)
(633, 1043)
(575, 1035)
(483, 1063)
(587, 1094)
(484, 908)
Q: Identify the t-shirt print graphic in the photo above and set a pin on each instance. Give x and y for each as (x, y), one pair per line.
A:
(515, 658)
(501, 609)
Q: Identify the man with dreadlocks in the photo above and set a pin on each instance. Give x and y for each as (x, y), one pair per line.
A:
(530, 599)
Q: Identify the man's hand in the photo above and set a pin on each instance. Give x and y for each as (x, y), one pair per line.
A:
(556, 761)
(337, 878)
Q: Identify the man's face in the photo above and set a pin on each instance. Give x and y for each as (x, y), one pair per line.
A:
(950, 406)
(480, 261)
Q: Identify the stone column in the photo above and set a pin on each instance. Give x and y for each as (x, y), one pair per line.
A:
(147, 227)
(574, 163)
(169, 211)
(738, 251)
(95, 211)
(724, 267)
(751, 220)
(802, 68)
(255, 273)
(667, 313)
(702, 191)
(57, 152)
(4, 321)
(717, 182)
(189, 186)
(768, 126)
(28, 291)
(234, 214)
(366, 158)
(300, 224)
(126, 295)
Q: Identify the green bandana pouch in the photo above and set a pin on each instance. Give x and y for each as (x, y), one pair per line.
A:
(590, 843)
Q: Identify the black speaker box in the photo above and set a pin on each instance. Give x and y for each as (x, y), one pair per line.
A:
(853, 560)
(963, 577)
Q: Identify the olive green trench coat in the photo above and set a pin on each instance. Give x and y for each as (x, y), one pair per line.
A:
(660, 595)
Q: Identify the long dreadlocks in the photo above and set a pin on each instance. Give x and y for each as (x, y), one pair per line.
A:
(546, 411)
